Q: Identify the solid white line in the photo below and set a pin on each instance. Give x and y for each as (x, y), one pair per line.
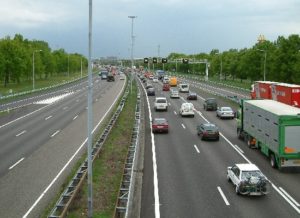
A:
(55, 133)
(175, 112)
(23, 116)
(288, 200)
(169, 104)
(290, 197)
(239, 149)
(75, 117)
(69, 161)
(21, 133)
(183, 126)
(195, 146)
(223, 196)
(47, 118)
(155, 179)
(16, 163)
(65, 108)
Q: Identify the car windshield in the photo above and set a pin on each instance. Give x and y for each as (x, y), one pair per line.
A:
(210, 127)
(161, 101)
(184, 86)
(226, 109)
(211, 100)
(159, 121)
(248, 174)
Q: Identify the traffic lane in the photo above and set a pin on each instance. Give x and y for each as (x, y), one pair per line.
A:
(20, 139)
(46, 167)
(147, 198)
(224, 169)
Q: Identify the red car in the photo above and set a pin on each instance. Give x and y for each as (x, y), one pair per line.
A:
(166, 87)
(160, 125)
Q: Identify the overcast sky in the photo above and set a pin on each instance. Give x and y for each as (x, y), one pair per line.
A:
(183, 26)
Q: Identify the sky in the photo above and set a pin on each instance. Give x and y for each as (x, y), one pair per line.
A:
(161, 26)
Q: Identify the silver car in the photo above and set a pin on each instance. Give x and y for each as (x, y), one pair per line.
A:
(225, 112)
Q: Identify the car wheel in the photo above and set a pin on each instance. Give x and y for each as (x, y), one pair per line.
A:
(228, 178)
(237, 190)
(218, 138)
(202, 137)
(273, 161)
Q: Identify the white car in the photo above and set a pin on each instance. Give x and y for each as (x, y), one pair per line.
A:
(161, 103)
(174, 93)
(122, 76)
(155, 79)
(248, 179)
(187, 109)
(225, 112)
(183, 87)
(166, 79)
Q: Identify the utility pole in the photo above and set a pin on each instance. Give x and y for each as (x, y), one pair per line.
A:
(132, 39)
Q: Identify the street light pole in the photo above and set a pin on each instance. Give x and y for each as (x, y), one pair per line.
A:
(221, 66)
(132, 37)
(33, 79)
(68, 65)
(265, 62)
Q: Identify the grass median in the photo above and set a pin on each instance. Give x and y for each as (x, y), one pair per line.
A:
(108, 168)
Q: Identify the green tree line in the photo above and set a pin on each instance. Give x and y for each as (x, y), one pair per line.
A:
(16, 60)
(282, 61)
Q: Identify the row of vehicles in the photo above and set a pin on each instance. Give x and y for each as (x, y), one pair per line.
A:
(247, 178)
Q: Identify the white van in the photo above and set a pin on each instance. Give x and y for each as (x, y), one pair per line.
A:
(187, 109)
(166, 79)
(183, 87)
(161, 104)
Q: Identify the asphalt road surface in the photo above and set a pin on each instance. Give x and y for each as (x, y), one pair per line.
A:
(186, 177)
(41, 142)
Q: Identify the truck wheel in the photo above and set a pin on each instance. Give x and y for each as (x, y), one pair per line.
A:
(273, 161)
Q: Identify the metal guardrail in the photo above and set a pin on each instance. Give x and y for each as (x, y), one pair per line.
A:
(126, 188)
(68, 195)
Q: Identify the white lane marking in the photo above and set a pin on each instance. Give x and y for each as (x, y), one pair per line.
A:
(286, 198)
(223, 196)
(155, 178)
(23, 116)
(183, 126)
(75, 117)
(169, 104)
(65, 108)
(21, 133)
(69, 161)
(55, 133)
(19, 161)
(237, 147)
(290, 197)
(175, 112)
(201, 97)
(96, 99)
(195, 146)
(77, 100)
(47, 118)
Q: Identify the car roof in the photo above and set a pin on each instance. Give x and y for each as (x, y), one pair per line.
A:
(162, 119)
(226, 108)
(161, 98)
(247, 167)
(209, 124)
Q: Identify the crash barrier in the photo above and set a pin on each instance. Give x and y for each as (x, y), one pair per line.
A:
(62, 205)
(128, 182)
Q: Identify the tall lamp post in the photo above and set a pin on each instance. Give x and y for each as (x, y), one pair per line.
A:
(33, 82)
(221, 66)
(132, 38)
(265, 61)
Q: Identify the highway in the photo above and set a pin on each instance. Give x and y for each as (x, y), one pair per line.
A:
(41, 141)
(186, 177)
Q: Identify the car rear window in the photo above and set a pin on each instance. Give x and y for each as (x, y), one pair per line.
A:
(160, 121)
(211, 101)
(161, 101)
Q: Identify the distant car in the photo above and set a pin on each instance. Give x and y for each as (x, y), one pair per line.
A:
(151, 77)
(110, 78)
(174, 93)
(155, 79)
(103, 75)
(160, 125)
(166, 87)
(166, 80)
(149, 85)
(187, 109)
(210, 104)
(208, 131)
(122, 76)
(151, 92)
(183, 87)
(161, 103)
(225, 112)
(248, 179)
(192, 96)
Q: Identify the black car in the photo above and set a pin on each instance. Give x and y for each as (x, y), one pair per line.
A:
(210, 104)
(110, 78)
(151, 92)
(192, 96)
(208, 131)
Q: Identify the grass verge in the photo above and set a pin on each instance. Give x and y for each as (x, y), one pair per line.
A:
(108, 168)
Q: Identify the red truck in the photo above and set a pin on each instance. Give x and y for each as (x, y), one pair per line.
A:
(282, 92)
